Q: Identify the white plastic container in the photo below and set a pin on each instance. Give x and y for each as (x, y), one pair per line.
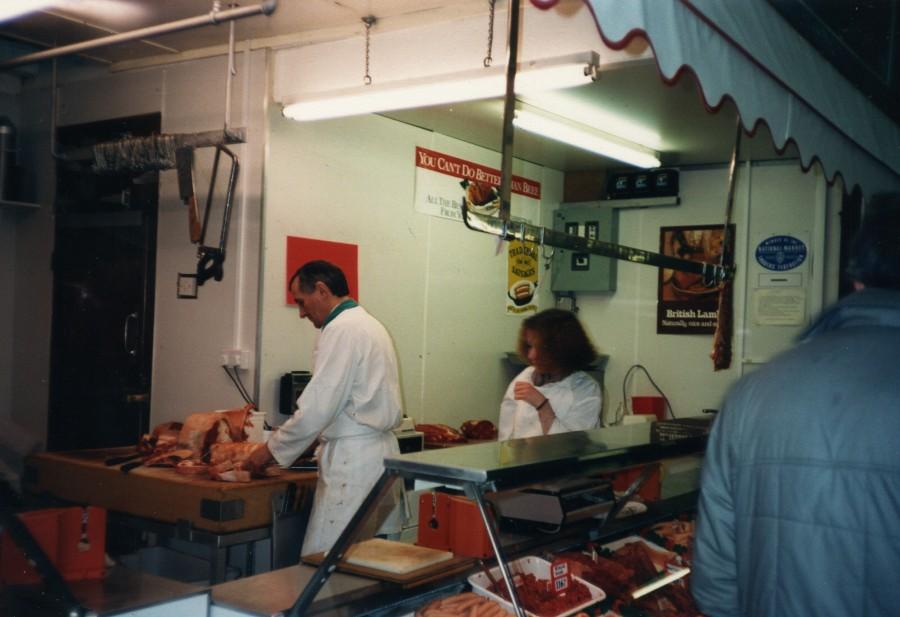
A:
(540, 568)
(256, 433)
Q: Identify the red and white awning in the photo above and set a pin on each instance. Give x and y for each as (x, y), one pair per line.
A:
(746, 51)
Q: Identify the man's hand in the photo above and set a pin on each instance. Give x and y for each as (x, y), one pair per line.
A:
(259, 458)
(524, 391)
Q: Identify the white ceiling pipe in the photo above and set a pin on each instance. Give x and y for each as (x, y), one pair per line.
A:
(212, 18)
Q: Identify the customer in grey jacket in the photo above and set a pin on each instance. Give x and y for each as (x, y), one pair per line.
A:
(799, 511)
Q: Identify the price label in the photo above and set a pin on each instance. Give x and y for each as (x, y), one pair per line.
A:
(559, 576)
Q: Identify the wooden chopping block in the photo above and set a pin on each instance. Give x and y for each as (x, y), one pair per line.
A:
(395, 557)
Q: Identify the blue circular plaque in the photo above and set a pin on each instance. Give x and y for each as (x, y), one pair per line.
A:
(781, 253)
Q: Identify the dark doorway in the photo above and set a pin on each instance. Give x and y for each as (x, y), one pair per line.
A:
(103, 290)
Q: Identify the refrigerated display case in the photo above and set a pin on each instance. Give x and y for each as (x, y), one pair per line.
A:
(481, 471)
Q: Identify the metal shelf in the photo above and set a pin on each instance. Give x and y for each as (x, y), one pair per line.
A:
(640, 202)
(18, 205)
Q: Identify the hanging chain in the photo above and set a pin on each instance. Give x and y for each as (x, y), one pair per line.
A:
(368, 20)
(490, 42)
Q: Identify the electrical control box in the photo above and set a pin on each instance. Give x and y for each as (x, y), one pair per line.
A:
(573, 271)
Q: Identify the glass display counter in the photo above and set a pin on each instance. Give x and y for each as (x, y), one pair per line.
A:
(498, 466)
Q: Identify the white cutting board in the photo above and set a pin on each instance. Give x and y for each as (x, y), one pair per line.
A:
(394, 557)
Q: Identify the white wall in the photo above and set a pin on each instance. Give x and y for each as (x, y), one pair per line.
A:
(769, 199)
(441, 48)
(437, 287)
(189, 335)
(31, 288)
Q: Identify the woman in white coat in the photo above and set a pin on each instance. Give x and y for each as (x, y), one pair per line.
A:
(554, 394)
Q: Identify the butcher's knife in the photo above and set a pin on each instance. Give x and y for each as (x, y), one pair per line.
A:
(184, 164)
(645, 474)
(118, 460)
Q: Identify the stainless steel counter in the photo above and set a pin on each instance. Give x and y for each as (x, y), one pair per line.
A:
(489, 467)
(121, 591)
(521, 461)
(272, 593)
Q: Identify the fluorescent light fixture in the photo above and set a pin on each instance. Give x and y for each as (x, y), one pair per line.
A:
(17, 8)
(585, 137)
(484, 83)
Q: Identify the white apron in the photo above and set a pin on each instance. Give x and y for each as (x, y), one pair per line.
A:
(348, 469)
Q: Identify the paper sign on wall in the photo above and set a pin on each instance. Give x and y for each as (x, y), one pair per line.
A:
(687, 304)
(522, 277)
(779, 307)
(302, 250)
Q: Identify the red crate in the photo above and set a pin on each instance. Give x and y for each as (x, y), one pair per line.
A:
(434, 520)
(651, 405)
(82, 543)
(468, 537)
(15, 568)
(74, 539)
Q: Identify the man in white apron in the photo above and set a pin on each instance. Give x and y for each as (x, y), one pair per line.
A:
(351, 404)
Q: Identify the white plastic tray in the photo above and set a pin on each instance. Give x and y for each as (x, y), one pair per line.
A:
(540, 568)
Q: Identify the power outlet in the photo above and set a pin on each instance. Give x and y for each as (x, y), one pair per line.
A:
(236, 358)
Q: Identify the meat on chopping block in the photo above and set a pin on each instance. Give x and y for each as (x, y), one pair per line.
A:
(187, 445)
(226, 460)
(203, 429)
(164, 437)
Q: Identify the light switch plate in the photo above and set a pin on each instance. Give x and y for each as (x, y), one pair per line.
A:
(187, 285)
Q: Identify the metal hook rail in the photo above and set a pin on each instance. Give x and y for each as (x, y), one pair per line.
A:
(212, 18)
(713, 274)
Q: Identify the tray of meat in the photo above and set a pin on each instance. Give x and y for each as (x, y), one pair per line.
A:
(532, 578)
(659, 586)
(440, 435)
(463, 605)
(676, 535)
(654, 555)
(478, 429)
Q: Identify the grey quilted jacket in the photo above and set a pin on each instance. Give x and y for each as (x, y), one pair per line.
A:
(799, 513)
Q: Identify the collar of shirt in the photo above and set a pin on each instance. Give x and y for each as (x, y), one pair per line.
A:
(340, 308)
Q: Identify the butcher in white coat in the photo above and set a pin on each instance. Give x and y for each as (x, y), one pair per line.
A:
(351, 404)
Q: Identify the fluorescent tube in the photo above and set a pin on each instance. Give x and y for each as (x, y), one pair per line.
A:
(482, 83)
(585, 137)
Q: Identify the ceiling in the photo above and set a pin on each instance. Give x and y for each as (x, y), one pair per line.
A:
(680, 127)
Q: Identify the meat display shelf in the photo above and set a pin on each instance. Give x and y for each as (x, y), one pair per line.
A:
(489, 467)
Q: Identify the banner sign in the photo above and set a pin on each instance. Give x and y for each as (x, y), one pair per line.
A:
(442, 180)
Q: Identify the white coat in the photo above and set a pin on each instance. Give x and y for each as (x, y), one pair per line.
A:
(351, 404)
(576, 402)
